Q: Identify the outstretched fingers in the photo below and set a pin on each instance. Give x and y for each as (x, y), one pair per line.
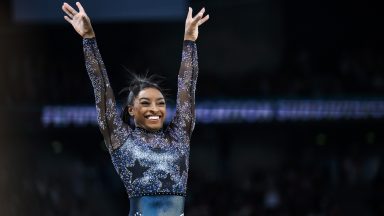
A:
(81, 9)
(203, 20)
(198, 17)
(189, 15)
(69, 10)
(68, 19)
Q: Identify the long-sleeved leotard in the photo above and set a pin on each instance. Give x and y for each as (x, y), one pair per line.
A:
(111, 126)
(149, 163)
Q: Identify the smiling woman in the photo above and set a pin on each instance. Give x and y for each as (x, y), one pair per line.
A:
(147, 108)
(145, 103)
(151, 161)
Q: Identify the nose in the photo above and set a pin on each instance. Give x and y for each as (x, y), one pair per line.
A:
(154, 108)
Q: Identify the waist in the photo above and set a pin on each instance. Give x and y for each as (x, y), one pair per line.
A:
(159, 205)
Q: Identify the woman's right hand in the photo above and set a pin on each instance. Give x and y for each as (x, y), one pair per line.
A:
(79, 20)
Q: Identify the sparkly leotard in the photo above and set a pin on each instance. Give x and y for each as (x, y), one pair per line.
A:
(152, 165)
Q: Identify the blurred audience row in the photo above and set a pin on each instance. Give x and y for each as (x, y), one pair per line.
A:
(39, 78)
(64, 184)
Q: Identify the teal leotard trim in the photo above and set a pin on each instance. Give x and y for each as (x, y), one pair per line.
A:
(163, 205)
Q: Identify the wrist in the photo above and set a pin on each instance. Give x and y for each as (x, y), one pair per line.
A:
(189, 38)
(88, 36)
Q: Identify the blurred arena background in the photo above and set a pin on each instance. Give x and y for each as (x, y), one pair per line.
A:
(290, 105)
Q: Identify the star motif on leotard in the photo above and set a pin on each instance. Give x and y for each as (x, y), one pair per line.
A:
(182, 164)
(137, 170)
(167, 183)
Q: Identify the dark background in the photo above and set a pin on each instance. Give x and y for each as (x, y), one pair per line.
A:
(260, 50)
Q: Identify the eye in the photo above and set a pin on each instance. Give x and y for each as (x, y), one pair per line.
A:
(161, 103)
(144, 103)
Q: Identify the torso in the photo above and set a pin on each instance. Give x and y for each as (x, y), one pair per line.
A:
(152, 164)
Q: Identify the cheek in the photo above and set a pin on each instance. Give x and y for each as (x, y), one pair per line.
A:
(138, 112)
(139, 108)
(164, 111)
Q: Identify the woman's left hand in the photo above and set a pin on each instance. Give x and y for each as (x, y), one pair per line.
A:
(192, 24)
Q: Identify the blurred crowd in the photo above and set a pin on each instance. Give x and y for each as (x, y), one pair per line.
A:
(39, 80)
(294, 191)
(40, 72)
(308, 182)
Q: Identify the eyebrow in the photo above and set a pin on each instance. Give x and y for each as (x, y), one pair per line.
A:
(144, 98)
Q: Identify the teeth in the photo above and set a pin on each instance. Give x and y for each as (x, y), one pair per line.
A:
(153, 117)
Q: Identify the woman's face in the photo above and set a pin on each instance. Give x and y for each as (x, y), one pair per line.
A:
(148, 109)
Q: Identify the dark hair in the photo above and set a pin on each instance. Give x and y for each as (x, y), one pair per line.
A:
(137, 83)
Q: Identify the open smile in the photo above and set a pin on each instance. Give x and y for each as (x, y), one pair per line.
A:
(153, 117)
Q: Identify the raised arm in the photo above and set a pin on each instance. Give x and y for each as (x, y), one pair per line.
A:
(114, 131)
(184, 119)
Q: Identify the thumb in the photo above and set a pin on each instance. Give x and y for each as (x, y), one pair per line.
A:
(68, 19)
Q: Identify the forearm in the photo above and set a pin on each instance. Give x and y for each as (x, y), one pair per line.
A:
(109, 122)
(185, 103)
